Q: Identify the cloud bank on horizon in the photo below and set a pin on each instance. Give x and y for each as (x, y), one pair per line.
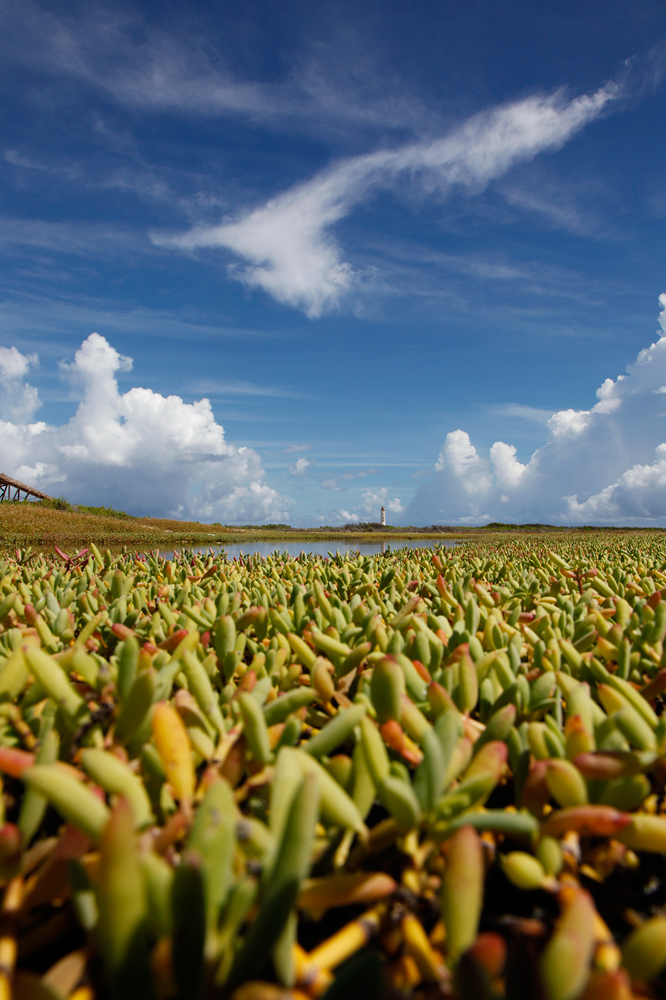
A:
(155, 454)
(287, 243)
(605, 465)
(140, 451)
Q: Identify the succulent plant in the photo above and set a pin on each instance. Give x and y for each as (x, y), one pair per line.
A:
(431, 772)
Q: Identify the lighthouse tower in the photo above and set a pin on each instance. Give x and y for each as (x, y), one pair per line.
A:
(383, 516)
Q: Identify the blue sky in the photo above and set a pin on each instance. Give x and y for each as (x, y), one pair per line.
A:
(399, 248)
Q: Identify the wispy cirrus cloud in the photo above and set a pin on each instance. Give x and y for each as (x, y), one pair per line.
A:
(519, 411)
(329, 88)
(296, 447)
(219, 389)
(131, 175)
(75, 238)
(287, 243)
(339, 484)
(556, 209)
(37, 317)
(119, 54)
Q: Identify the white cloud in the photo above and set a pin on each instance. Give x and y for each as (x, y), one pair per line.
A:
(639, 492)
(300, 467)
(569, 422)
(598, 465)
(508, 470)
(461, 457)
(369, 508)
(608, 401)
(374, 500)
(13, 364)
(139, 450)
(18, 399)
(347, 516)
(287, 243)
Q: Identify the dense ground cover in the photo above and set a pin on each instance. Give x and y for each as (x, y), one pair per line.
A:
(433, 772)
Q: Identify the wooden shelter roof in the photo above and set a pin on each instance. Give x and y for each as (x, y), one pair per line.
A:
(15, 484)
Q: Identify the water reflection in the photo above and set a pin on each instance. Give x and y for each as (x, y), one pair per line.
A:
(264, 549)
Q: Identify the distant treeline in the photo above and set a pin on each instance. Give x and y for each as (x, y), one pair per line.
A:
(458, 529)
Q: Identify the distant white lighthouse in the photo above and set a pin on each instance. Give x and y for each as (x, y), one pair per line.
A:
(383, 516)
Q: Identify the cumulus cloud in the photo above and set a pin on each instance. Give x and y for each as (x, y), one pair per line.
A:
(639, 492)
(138, 450)
(508, 470)
(374, 500)
(287, 243)
(300, 467)
(460, 455)
(368, 509)
(17, 397)
(605, 465)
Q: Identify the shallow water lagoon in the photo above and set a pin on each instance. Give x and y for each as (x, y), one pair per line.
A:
(264, 549)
